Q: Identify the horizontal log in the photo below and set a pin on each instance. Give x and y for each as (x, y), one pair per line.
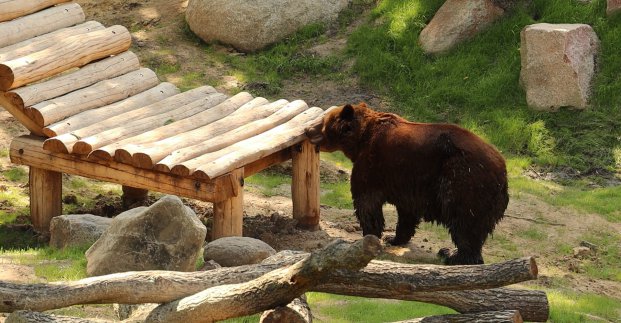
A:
(90, 117)
(257, 147)
(136, 126)
(182, 154)
(123, 149)
(165, 286)
(40, 23)
(28, 150)
(68, 140)
(71, 52)
(214, 148)
(42, 42)
(87, 75)
(37, 317)
(297, 311)
(95, 96)
(509, 316)
(11, 9)
(146, 155)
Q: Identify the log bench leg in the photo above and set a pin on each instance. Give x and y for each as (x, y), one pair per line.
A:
(228, 215)
(305, 185)
(45, 197)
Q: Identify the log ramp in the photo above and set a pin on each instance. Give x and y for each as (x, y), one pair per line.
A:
(93, 111)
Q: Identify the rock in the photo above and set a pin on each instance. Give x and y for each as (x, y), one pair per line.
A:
(249, 25)
(558, 64)
(457, 21)
(582, 252)
(237, 251)
(210, 265)
(74, 230)
(613, 7)
(589, 245)
(166, 235)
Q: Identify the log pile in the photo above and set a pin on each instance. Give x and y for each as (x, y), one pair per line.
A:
(280, 281)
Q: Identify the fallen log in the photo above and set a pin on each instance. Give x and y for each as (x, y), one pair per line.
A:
(42, 42)
(40, 23)
(154, 109)
(37, 317)
(87, 75)
(87, 118)
(134, 127)
(297, 311)
(272, 289)
(418, 283)
(97, 95)
(482, 317)
(68, 53)
(11, 9)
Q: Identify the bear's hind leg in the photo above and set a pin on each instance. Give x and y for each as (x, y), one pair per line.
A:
(469, 248)
(407, 222)
(368, 209)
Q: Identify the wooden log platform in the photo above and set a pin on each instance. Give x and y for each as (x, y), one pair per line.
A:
(93, 111)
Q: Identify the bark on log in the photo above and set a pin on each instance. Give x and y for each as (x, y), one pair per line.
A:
(71, 52)
(483, 317)
(90, 117)
(297, 311)
(417, 283)
(40, 23)
(199, 125)
(95, 96)
(154, 109)
(11, 9)
(272, 289)
(136, 126)
(36, 317)
(249, 150)
(286, 112)
(42, 42)
(87, 75)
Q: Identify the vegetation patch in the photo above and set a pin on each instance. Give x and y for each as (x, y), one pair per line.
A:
(572, 307)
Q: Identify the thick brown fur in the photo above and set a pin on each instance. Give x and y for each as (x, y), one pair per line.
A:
(434, 172)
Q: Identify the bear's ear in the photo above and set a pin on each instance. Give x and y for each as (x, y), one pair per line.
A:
(347, 113)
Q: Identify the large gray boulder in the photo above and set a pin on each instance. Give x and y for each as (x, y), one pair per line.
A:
(457, 21)
(237, 251)
(74, 230)
(558, 65)
(166, 235)
(249, 25)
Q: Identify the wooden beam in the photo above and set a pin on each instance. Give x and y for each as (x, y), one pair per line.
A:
(20, 115)
(305, 185)
(45, 197)
(11, 9)
(228, 215)
(265, 162)
(71, 52)
(97, 95)
(42, 42)
(28, 150)
(40, 23)
(87, 75)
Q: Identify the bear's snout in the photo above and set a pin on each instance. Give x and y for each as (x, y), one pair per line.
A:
(314, 134)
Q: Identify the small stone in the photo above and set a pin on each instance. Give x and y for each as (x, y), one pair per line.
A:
(210, 265)
(581, 252)
(237, 251)
(74, 230)
(589, 245)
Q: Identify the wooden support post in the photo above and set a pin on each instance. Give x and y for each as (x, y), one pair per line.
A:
(228, 214)
(132, 195)
(305, 185)
(45, 197)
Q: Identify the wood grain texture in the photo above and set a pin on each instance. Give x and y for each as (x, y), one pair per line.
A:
(44, 41)
(71, 52)
(91, 117)
(45, 197)
(506, 316)
(228, 214)
(39, 23)
(97, 95)
(87, 75)
(132, 127)
(11, 9)
(20, 115)
(28, 150)
(305, 185)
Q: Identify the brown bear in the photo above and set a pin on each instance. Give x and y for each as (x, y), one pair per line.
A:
(434, 172)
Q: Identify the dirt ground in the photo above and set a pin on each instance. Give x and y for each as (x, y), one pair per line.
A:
(156, 26)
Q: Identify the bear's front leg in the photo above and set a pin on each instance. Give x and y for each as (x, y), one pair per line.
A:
(368, 210)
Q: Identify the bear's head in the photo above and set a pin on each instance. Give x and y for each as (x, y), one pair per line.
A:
(341, 129)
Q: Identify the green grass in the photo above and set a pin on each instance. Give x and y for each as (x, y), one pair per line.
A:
(4, 152)
(341, 309)
(572, 307)
(477, 83)
(533, 233)
(16, 174)
(267, 183)
(607, 263)
(52, 264)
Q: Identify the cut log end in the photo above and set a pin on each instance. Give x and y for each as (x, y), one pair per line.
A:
(49, 132)
(533, 267)
(56, 146)
(36, 116)
(6, 77)
(142, 160)
(14, 98)
(164, 168)
(180, 170)
(201, 174)
(123, 156)
(84, 148)
(96, 155)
